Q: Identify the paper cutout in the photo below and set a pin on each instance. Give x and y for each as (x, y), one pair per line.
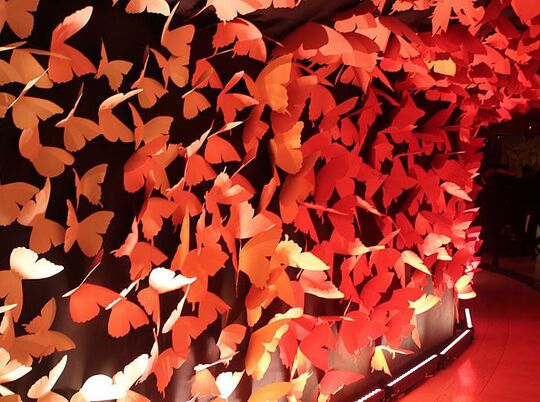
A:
(62, 69)
(114, 70)
(343, 175)
(77, 130)
(18, 15)
(88, 232)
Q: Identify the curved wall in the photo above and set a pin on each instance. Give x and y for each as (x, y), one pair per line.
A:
(317, 185)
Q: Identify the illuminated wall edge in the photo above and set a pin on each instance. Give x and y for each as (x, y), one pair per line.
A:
(430, 365)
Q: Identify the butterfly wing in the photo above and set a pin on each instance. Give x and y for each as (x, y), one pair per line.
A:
(89, 184)
(271, 392)
(26, 264)
(13, 196)
(411, 258)
(229, 339)
(198, 169)
(44, 385)
(18, 15)
(285, 148)
(6, 100)
(227, 10)
(152, 90)
(219, 150)
(334, 380)
(114, 70)
(111, 126)
(227, 382)
(124, 316)
(149, 299)
(178, 40)
(51, 161)
(11, 291)
(85, 301)
(91, 231)
(37, 207)
(132, 372)
(45, 234)
(155, 210)
(87, 233)
(99, 388)
(194, 103)
(156, 127)
(28, 68)
(62, 69)
(270, 85)
(72, 227)
(77, 131)
(28, 111)
(151, 6)
(143, 256)
(149, 131)
(44, 320)
(179, 71)
(8, 74)
(253, 258)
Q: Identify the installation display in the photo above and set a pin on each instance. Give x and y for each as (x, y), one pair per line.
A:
(196, 204)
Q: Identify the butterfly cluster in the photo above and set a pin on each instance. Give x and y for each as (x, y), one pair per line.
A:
(293, 204)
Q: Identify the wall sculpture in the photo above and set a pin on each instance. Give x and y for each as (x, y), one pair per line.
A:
(194, 205)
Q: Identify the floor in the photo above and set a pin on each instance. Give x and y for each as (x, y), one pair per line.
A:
(503, 362)
(520, 268)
